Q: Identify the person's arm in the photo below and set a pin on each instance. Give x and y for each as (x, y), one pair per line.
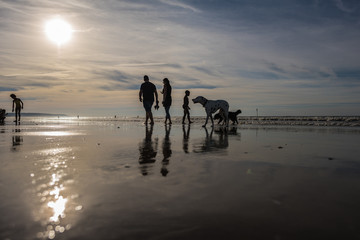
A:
(22, 104)
(164, 92)
(140, 94)
(13, 105)
(156, 97)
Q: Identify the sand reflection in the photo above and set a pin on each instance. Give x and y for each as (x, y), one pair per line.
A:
(212, 144)
(186, 137)
(166, 149)
(17, 139)
(53, 181)
(148, 151)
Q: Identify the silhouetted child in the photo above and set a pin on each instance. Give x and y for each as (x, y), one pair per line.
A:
(18, 104)
(186, 107)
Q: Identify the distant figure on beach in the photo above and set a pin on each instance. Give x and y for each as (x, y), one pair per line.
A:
(18, 104)
(146, 96)
(167, 99)
(186, 107)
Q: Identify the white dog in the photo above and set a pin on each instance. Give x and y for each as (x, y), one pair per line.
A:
(211, 106)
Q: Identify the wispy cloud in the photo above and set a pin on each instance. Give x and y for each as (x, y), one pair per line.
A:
(2, 89)
(180, 4)
(342, 7)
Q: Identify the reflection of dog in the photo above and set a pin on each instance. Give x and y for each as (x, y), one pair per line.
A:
(211, 144)
(211, 106)
(232, 117)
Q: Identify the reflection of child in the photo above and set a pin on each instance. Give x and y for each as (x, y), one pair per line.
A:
(18, 106)
(186, 107)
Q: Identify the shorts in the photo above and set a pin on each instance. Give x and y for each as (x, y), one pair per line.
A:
(148, 105)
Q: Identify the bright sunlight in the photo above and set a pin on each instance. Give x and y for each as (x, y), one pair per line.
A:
(58, 31)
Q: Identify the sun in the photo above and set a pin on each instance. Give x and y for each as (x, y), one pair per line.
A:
(58, 31)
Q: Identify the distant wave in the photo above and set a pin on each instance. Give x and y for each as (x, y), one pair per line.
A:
(37, 114)
(345, 121)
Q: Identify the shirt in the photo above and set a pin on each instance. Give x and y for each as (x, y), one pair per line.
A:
(148, 90)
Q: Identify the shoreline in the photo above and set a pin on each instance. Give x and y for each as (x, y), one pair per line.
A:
(316, 121)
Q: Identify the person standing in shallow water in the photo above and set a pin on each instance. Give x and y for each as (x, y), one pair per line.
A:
(146, 96)
(186, 107)
(18, 104)
(167, 99)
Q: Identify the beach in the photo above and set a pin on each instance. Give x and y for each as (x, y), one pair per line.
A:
(93, 178)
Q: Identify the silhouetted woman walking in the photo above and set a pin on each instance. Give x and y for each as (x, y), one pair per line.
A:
(167, 99)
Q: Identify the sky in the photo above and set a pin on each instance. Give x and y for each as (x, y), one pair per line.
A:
(282, 57)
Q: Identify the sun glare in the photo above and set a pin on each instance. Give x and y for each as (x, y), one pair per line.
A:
(58, 31)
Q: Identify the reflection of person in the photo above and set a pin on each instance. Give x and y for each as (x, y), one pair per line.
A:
(186, 135)
(166, 98)
(16, 139)
(18, 104)
(148, 151)
(146, 95)
(186, 107)
(2, 115)
(166, 149)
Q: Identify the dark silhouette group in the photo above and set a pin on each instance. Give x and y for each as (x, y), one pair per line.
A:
(148, 95)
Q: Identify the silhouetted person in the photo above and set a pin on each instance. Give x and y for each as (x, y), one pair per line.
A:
(166, 149)
(18, 104)
(186, 107)
(148, 151)
(186, 135)
(167, 99)
(146, 96)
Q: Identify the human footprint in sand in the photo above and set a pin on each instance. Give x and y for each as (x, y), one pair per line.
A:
(18, 104)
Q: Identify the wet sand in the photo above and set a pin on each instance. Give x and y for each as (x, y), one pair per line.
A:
(121, 180)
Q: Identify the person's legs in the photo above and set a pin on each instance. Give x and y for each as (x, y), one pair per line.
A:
(151, 118)
(16, 114)
(183, 120)
(188, 116)
(19, 114)
(167, 108)
(146, 117)
(148, 105)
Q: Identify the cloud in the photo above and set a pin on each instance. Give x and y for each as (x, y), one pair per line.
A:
(342, 7)
(4, 89)
(180, 4)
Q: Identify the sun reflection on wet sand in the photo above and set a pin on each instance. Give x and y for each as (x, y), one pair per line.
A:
(52, 178)
(58, 207)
